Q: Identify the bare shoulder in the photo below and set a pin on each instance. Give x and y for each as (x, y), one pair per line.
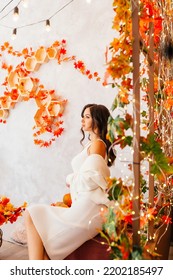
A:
(97, 147)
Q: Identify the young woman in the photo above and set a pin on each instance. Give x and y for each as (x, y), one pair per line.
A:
(55, 232)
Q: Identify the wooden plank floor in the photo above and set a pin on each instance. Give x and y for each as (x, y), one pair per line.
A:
(11, 251)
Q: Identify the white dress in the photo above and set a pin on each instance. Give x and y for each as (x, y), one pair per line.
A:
(63, 230)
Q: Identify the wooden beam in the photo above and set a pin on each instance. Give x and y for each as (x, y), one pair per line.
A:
(136, 126)
(151, 122)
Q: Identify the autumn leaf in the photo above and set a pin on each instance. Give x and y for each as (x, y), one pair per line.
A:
(25, 51)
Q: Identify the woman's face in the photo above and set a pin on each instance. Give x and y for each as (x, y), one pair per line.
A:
(87, 120)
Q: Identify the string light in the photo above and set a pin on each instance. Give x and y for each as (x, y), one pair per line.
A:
(25, 4)
(16, 13)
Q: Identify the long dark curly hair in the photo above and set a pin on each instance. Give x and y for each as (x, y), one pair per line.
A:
(100, 115)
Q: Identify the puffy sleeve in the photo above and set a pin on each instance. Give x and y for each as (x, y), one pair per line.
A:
(91, 180)
(94, 172)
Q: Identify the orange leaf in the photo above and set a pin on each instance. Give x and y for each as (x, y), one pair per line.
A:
(4, 66)
(6, 44)
(10, 68)
(170, 159)
(25, 51)
(56, 44)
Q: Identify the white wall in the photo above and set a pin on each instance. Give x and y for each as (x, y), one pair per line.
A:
(28, 172)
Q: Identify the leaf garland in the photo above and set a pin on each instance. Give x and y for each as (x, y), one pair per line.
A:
(21, 86)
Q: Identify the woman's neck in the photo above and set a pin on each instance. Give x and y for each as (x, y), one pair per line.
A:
(94, 136)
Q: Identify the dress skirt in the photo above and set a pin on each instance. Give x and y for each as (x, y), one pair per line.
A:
(63, 230)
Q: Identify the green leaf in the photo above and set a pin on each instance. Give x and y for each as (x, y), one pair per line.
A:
(128, 140)
(143, 113)
(137, 253)
(114, 105)
(114, 192)
(109, 226)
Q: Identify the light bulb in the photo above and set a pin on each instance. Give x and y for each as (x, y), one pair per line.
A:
(48, 25)
(16, 13)
(14, 34)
